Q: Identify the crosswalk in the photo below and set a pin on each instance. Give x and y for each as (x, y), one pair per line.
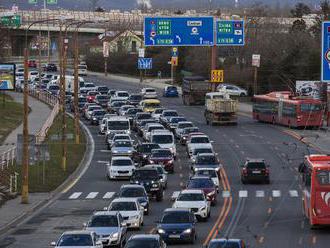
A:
(224, 194)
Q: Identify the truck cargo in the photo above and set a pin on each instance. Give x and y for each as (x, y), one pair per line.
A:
(220, 109)
(194, 90)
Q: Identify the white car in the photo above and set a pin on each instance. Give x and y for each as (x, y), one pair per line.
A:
(195, 140)
(210, 172)
(121, 95)
(165, 139)
(157, 113)
(149, 128)
(33, 75)
(88, 87)
(78, 239)
(149, 93)
(119, 136)
(82, 70)
(200, 148)
(194, 199)
(130, 209)
(90, 109)
(103, 123)
(182, 125)
(120, 167)
(232, 90)
(123, 109)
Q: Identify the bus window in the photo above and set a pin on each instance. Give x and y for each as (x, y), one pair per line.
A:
(323, 177)
(307, 107)
(289, 110)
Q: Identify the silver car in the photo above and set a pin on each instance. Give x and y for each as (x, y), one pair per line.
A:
(78, 239)
(122, 148)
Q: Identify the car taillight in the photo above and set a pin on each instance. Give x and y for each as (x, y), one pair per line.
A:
(244, 171)
(266, 171)
(299, 118)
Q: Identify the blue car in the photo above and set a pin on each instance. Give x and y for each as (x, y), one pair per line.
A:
(230, 243)
(177, 225)
(170, 91)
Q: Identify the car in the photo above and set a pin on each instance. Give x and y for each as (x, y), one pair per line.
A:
(161, 172)
(103, 122)
(202, 149)
(173, 122)
(206, 159)
(135, 191)
(96, 116)
(149, 127)
(149, 105)
(134, 99)
(109, 227)
(118, 124)
(88, 87)
(140, 116)
(122, 95)
(255, 170)
(206, 184)
(183, 136)
(79, 239)
(157, 113)
(131, 113)
(90, 109)
(163, 157)
(232, 90)
(177, 225)
(122, 148)
(143, 151)
(82, 70)
(53, 89)
(170, 91)
(149, 178)
(111, 93)
(195, 200)
(122, 110)
(91, 95)
(103, 90)
(230, 243)
(50, 67)
(145, 241)
(142, 124)
(165, 139)
(195, 141)
(81, 103)
(120, 167)
(32, 63)
(114, 106)
(130, 209)
(115, 137)
(101, 100)
(181, 125)
(209, 172)
(148, 93)
(166, 115)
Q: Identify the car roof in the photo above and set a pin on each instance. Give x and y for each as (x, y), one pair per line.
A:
(125, 186)
(199, 177)
(163, 131)
(145, 168)
(205, 154)
(255, 160)
(192, 191)
(201, 145)
(120, 158)
(151, 101)
(228, 240)
(145, 236)
(78, 232)
(182, 210)
(98, 213)
(125, 199)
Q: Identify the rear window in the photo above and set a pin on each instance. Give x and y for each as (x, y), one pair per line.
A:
(150, 90)
(223, 244)
(146, 148)
(199, 140)
(255, 165)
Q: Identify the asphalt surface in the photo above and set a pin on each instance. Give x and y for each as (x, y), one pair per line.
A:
(262, 215)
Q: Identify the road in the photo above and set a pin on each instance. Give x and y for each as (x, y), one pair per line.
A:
(263, 215)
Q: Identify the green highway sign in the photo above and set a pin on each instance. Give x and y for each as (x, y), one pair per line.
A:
(33, 1)
(11, 21)
(51, 1)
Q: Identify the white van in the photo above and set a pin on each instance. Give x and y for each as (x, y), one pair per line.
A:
(118, 124)
(69, 83)
(165, 139)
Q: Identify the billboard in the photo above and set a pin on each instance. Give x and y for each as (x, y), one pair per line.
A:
(311, 89)
(7, 76)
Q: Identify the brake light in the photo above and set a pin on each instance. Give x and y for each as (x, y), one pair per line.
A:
(244, 171)
(266, 171)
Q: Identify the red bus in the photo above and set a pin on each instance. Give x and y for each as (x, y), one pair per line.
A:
(315, 172)
(286, 109)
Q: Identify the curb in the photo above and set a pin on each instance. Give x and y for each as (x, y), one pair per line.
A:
(65, 186)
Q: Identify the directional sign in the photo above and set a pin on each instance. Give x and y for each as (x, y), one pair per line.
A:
(11, 21)
(178, 31)
(230, 33)
(51, 1)
(217, 76)
(144, 63)
(325, 61)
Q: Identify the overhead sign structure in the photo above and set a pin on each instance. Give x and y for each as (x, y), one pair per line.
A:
(144, 63)
(217, 76)
(7, 76)
(230, 33)
(178, 31)
(325, 56)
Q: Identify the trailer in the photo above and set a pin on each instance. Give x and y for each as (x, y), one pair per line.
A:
(194, 90)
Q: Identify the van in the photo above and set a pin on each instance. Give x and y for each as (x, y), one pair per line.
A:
(165, 139)
(149, 105)
(118, 124)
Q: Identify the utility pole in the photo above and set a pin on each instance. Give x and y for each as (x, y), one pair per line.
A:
(76, 85)
(39, 55)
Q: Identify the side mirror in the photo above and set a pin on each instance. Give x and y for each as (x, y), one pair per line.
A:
(53, 243)
(211, 141)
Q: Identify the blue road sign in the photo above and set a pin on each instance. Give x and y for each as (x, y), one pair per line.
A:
(7, 76)
(325, 61)
(144, 63)
(230, 33)
(178, 31)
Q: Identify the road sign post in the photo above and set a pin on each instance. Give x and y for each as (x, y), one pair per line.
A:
(178, 31)
(230, 33)
(256, 65)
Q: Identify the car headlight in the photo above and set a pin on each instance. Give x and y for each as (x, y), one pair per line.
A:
(115, 235)
(155, 185)
(115, 151)
(187, 230)
(135, 216)
(151, 162)
(170, 161)
(211, 193)
(94, 118)
(161, 231)
(144, 156)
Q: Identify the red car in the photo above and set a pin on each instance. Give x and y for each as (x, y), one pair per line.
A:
(206, 184)
(163, 157)
(32, 63)
(91, 95)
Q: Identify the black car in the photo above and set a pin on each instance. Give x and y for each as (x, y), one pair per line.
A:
(135, 191)
(145, 241)
(103, 90)
(255, 170)
(97, 116)
(143, 151)
(131, 113)
(102, 100)
(50, 67)
(150, 179)
(134, 99)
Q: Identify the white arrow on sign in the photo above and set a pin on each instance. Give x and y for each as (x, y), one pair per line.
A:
(179, 38)
(153, 41)
(240, 41)
(200, 40)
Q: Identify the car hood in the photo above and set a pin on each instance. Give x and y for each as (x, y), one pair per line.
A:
(122, 168)
(122, 149)
(161, 159)
(175, 226)
(189, 204)
(103, 230)
(129, 213)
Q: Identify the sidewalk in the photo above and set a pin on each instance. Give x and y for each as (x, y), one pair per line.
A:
(39, 113)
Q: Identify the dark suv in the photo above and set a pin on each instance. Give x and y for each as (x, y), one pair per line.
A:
(143, 151)
(255, 170)
(150, 179)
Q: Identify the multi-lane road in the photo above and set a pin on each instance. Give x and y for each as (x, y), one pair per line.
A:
(263, 215)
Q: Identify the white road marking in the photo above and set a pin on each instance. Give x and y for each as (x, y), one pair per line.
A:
(260, 193)
(75, 195)
(92, 195)
(107, 151)
(225, 194)
(276, 193)
(243, 194)
(293, 193)
(108, 195)
(103, 162)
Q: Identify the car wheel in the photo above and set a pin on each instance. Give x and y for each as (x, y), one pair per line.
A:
(242, 94)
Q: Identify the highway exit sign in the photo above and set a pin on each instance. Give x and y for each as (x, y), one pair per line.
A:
(11, 21)
(51, 1)
(230, 33)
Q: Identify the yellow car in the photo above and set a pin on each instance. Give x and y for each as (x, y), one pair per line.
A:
(149, 105)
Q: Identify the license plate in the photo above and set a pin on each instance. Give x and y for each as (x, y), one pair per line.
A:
(256, 172)
(174, 236)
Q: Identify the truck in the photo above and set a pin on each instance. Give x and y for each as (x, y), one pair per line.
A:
(194, 89)
(220, 109)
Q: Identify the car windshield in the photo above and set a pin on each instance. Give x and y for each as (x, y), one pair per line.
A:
(176, 217)
(305, 107)
(122, 94)
(190, 130)
(162, 138)
(209, 173)
(145, 174)
(133, 111)
(103, 221)
(92, 108)
(146, 148)
(102, 97)
(151, 104)
(117, 104)
(199, 140)
(184, 125)
(118, 125)
(103, 89)
(176, 120)
(132, 192)
(200, 183)
(150, 90)
(191, 197)
(224, 244)
(142, 243)
(135, 97)
(99, 113)
(256, 165)
(121, 162)
(143, 116)
(206, 159)
(170, 113)
(89, 85)
(123, 206)
(75, 240)
(120, 143)
(93, 93)
(155, 128)
(172, 88)
(54, 87)
(158, 111)
(161, 153)
(121, 137)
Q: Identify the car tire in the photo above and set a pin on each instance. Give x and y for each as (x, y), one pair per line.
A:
(242, 95)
